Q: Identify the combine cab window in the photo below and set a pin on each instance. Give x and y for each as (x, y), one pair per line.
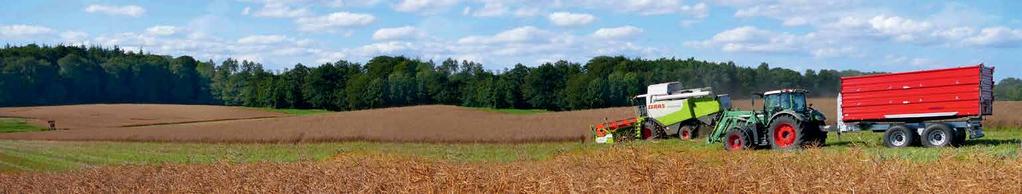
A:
(640, 106)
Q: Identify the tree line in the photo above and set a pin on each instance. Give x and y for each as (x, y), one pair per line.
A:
(50, 75)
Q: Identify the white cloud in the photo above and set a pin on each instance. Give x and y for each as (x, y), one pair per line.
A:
(262, 39)
(516, 35)
(73, 36)
(23, 31)
(278, 10)
(753, 40)
(571, 19)
(622, 32)
(795, 12)
(996, 37)
(489, 9)
(126, 10)
(333, 21)
(398, 33)
(424, 6)
(162, 30)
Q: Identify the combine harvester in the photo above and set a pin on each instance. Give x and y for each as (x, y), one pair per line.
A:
(666, 110)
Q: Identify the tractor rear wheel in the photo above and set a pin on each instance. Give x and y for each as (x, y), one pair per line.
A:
(737, 139)
(937, 135)
(787, 133)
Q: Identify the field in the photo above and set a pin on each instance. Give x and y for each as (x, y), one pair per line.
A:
(851, 163)
(429, 149)
(432, 123)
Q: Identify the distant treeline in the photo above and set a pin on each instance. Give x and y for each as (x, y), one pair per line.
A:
(44, 75)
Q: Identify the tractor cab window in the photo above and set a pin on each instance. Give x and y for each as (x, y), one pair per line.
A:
(798, 101)
(771, 101)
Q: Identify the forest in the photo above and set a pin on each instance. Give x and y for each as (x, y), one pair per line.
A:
(55, 75)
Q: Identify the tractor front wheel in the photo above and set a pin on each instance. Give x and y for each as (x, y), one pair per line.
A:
(737, 139)
(787, 133)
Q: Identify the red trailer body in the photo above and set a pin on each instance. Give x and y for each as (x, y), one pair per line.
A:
(918, 95)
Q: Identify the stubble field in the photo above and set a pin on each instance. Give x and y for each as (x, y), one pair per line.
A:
(201, 149)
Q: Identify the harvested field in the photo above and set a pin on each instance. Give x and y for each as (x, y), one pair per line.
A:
(631, 169)
(75, 117)
(433, 123)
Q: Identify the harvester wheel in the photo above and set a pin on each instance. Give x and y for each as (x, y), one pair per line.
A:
(687, 132)
(737, 139)
(937, 135)
(787, 133)
(898, 137)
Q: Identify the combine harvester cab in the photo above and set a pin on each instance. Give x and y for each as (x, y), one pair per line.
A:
(933, 108)
(666, 110)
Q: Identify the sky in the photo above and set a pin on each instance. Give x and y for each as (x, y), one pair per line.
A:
(797, 34)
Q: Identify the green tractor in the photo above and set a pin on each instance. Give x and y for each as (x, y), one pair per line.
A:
(785, 122)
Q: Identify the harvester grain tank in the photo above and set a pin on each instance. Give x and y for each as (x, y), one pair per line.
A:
(934, 108)
(666, 110)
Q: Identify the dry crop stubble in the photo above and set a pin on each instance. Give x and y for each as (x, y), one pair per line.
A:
(619, 169)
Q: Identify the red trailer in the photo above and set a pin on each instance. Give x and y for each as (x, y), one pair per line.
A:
(936, 108)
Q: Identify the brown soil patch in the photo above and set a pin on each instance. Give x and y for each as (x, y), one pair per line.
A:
(619, 170)
(432, 123)
(94, 116)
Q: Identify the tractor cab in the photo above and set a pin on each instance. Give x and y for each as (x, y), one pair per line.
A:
(790, 100)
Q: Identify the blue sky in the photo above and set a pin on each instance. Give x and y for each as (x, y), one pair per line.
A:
(798, 34)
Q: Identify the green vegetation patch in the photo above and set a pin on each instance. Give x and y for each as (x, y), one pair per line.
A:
(10, 125)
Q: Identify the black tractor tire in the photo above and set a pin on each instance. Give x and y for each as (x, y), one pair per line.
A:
(817, 137)
(899, 137)
(960, 136)
(738, 139)
(786, 132)
(937, 135)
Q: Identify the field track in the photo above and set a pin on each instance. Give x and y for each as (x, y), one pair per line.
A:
(433, 123)
(74, 117)
(429, 123)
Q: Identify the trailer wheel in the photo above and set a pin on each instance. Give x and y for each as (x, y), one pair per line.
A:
(787, 133)
(937, 135)
(737, 139)
(898, 137)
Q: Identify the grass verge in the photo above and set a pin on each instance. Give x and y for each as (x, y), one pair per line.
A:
(10, 125)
